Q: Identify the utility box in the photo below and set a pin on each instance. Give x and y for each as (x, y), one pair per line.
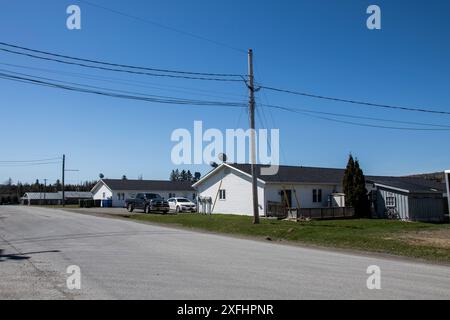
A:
(337, 200)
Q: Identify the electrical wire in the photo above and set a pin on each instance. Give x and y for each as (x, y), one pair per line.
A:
(25, 161)
(119, 65)
(27, 165)
(119, 70)
(370, 104)
(160, 25)
(357, 117)
(354, 123)
(147, 98)
(128, 82)
(101, 88)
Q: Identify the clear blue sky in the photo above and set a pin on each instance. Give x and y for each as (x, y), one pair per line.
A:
(320, 47)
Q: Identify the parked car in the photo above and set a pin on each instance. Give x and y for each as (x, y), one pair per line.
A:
(149, 202)
(182, 205)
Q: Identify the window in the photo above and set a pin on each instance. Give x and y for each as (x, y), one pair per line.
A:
(317, 195)
(104, 195)
(390, 201)
(172, 195)
(222, 194)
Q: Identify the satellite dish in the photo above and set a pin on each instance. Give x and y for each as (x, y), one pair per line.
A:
(213, 164)
(223, 157)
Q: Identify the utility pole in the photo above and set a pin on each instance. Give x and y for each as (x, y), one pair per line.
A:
(45, 190)
(63, 174)
(251, 87)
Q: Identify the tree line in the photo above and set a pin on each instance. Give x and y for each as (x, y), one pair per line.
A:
(10, 193)
(183, 175)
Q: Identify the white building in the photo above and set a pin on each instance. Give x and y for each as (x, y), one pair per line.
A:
(54, 198)
(229, 187)
(120, 190)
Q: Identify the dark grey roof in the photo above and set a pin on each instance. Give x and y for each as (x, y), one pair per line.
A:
(415, 185)
(148, 185)
(291, 174)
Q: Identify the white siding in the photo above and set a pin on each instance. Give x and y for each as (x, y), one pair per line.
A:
(103, 193)
(238, 189)
(304, 193)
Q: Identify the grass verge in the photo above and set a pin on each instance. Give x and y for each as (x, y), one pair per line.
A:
(430, 242)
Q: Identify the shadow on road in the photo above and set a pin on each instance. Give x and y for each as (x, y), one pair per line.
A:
(21, 256)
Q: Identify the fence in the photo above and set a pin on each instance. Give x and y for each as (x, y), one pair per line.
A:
(89, 203)
(282, 212)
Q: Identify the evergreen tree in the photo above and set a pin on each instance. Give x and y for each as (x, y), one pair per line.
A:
(354, 184)
(189, 176)
(197, 177)
(183, 175)
(347, 183)
(362, 205)
(173, 176)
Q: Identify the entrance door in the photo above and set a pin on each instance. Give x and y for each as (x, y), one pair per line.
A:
(286, 195)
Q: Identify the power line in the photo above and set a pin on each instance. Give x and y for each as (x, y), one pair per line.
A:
(119, 65)
(156, 99)
(309, 113)
(25, 161)
(160, 25)
(355, 101)
(357, 117)
(128, 82)
(112, 90)
(28, 164)
(119, 70)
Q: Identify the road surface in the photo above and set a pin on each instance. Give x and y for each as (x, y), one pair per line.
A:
(122, 259)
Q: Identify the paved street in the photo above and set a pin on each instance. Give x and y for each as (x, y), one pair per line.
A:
(127, 260)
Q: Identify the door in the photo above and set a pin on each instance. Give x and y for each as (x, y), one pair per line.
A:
(140, 200)
(286, 198)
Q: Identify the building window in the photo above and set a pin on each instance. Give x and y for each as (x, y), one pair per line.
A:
(390, 201)
(104, 195)
(317, 195)
(172, 195)
(222, 194)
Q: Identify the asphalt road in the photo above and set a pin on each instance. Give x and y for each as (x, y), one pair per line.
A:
(128, 260)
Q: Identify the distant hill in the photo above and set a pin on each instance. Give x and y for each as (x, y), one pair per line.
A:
(435, 176)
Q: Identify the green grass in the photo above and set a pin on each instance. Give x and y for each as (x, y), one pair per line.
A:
(381, 236)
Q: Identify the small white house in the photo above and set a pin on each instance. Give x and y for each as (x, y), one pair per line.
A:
(229, 188)
(119, 190)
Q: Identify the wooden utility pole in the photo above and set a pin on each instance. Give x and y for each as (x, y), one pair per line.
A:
(45, 190)
(63, 202)
(251, 87)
